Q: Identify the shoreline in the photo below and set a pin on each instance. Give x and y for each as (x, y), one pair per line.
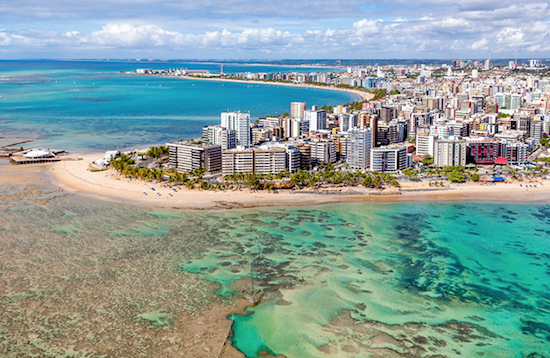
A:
(366, 96)
(74, 177)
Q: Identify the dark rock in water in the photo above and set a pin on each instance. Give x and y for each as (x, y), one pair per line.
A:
(538, 329)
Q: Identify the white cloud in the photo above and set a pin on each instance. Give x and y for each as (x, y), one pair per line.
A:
(470, 30)
(481, 44)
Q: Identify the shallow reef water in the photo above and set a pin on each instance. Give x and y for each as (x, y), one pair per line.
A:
(389, 279)
(346, 280)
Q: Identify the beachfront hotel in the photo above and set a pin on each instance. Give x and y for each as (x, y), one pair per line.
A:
(188, 155)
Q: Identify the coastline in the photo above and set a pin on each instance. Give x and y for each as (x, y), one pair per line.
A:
(361, 94)
(74, 177)
(207, 329)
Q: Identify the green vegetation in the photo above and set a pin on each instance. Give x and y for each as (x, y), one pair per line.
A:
(157, 152)
(456, 177)
(544, 142)
(394, 92)
(427, 160)
(503, 115)
(475, 177)
(124, 165)
(410, 172)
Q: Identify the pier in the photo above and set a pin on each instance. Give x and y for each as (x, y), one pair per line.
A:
(20, 160)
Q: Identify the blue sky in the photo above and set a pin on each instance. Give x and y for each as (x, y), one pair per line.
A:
(282, 29)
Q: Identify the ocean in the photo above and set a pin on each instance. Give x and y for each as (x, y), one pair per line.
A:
(83, 106)
(348, 280)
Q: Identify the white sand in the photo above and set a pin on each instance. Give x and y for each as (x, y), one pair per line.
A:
(74, 176)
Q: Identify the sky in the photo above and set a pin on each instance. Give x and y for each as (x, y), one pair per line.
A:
(282, 29)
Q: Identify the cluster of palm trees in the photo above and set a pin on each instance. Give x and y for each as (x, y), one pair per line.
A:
(303, 178)
(125, 166)
(329, 175)
(157, 152)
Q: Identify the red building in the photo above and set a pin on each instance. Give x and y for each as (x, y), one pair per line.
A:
(483, 152)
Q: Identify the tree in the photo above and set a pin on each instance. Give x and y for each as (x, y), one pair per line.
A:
(410, 172)
(475, 177)
(456, 177)
(427, 160)
(157, 152)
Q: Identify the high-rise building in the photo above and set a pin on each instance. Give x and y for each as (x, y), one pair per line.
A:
(317, 120)
(358, 148)
(258, 160)
(450, 153)
(227, 138)
(537, 130)
(516, 152)
(424, 143)
(297, 109)
(482, 151)
(323, 152)
(515, 101)
(347, 122)
(186, 156)
(492, 108)
(503, 100)
(240, 123)
(298, 127)
(238, 161)
(390, 158)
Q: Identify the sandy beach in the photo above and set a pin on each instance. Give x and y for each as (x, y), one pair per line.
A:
(363, 95)
(75, 177)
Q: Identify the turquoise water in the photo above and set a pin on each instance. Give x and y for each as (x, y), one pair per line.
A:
(362, 280)
(354, 280)
(89, 105)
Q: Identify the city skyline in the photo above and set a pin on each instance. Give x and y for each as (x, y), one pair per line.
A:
(245, 29)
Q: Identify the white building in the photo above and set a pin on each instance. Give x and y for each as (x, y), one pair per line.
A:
(298, 127)
(359, 148)
(297, 109)
(240, 123)
(390, 158)
(450, 153)
(187, 155)
(347, 121)
(515, 101)
(424, 144)
(323, 152)
(317, 120)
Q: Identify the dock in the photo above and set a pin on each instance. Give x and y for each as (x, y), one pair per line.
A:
(20, 160)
